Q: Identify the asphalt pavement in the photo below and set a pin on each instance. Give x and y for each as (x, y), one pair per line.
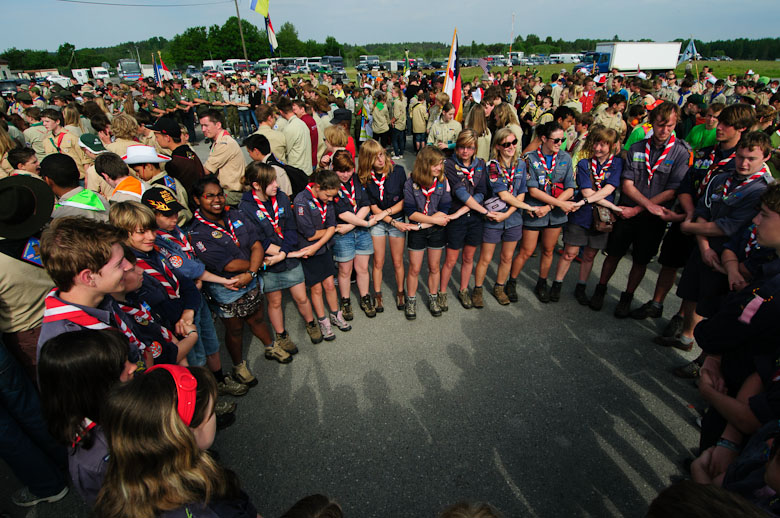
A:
(542, 410)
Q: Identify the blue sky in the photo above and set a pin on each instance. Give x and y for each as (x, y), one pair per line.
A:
(367, 21)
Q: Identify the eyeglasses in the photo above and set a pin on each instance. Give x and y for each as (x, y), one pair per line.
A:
(508, 144)
(556, 140)
(210, 196)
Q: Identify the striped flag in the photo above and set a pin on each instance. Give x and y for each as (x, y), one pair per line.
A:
(452, 83)
(483, 64)
(271, 34)
(163, 72)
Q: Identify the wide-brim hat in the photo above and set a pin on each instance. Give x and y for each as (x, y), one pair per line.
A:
(25, 206)
(144, 155)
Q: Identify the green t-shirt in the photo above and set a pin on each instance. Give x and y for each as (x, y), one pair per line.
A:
(639, 133)
(774, 159)
(700, 137)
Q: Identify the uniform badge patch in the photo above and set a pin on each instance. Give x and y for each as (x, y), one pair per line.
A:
(176, 261)
(260, 214)
(216, 234)
(200, 246)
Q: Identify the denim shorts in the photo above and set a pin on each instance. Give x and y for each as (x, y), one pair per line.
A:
(419, 137)
(354, 242)
(207, 343)
(382, 229)
(277, 281)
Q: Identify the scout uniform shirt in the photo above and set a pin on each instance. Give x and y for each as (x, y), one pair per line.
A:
(465, 182)
(310, 216)
(399, 113)
(384, 192)
(276, 139)
(611, 171)
(35, 136)
(381, 118)
(274, 224)
(296, 135)
(552, 175)
(419, 118)
(226, 161)
(707, 163)
(23, 285)
(446, 132)
(668, 173)
(351, 197)
(218, 243)
(66, 143)
(415, 200)
(512, 180)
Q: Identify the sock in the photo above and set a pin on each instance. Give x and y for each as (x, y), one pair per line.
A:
(686, 339)
(322, 318)
(656, 305)
(412, 299)
(219, 376)
(283, 334)
(334, 313)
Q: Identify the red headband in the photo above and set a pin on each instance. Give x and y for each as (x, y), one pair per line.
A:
(186, 388)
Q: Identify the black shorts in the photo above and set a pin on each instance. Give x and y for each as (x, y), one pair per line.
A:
(466, 230)
(676, 248)
(433, 237)
(703, 285)
(318, 268)
(642, 233)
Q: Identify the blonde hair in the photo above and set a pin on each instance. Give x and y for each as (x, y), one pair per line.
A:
(597, 133)
(467, 137)
(6, 142)
(71, 116)
(442, 98)
(477, 120)
(131, 216)
(427, 158)
(503, 115)
(336, 136)
(124, 126)
(369, 150)
(501, 135)
(102, 104)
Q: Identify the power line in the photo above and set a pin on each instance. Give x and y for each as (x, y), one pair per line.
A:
(144, 5)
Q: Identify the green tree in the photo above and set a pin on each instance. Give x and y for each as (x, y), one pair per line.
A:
(287, 37)
(331, 47)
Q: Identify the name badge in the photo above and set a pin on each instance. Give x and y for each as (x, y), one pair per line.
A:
(638, 157)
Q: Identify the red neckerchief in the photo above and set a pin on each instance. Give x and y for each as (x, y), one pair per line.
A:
(56, 309)
(752, 243)
(714, 167)
(509, 174)
(180, 239)
(172, 289)
(469, 172)
(86, 425)
(142, 313)
(752, 178)
(231, 232)
(275, 206)
(380, 184)
(651, 170)
(428, 193)
(349, 196)
(547, 172)
(323, 210)
(598, 177)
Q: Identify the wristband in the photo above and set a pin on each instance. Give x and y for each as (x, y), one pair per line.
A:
(193, 331)
(729, 445)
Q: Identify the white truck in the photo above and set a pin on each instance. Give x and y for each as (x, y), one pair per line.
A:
(81, 75)
(100, 73)
(629, 56)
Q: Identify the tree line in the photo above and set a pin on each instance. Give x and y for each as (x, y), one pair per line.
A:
(196, 44)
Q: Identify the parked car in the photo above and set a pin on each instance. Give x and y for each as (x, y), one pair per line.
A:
(362, 68)
(438, 64)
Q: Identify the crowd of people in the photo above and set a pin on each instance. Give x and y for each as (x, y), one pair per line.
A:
(120, 248)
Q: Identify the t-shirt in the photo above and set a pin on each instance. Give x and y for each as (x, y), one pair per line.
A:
(701, 137)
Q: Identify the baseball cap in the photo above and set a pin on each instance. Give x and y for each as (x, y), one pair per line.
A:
(144, 155)
(91, 142)
(166, 126)
(162, 201)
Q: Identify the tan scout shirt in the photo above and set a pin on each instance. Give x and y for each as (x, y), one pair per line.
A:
(276, 139)
(226, 161)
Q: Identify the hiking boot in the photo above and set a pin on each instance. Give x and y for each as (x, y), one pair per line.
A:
(541, 291)
(477, 298)
(346, 308)
(400, 301)
(597, 300)
(465, 299)
(499, 292)
(623, 309)
(673, 341)
(224, 407)
(367, 306)
(555, 291)
(688, 371)
(511, 289)
(378, 306)
(326, 329)
(340, 321)
(231, 387)
(410, 308)
(580, 295)
(648, 309)
(674, 327)
(433, 304)
(314, 332)
(287, 344)
(442, 300)
(275, 352)
(25, 498)
(242, 375)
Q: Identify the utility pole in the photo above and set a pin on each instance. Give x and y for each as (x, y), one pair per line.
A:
(513, 38)
(241, 31)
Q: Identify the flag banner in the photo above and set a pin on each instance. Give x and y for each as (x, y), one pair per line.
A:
(688, 53)
(452, 82)
(269, 29)
(163, 72)
(260, 6)
(156, 71)
(483, 64)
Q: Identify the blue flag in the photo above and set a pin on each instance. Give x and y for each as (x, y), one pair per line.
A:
(688, 53)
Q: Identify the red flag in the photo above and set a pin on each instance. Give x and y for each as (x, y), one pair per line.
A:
(452, 82)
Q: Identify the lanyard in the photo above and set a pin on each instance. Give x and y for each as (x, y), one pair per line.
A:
(323, 210)
(651, 170)
(714, 167)
(428, 193)
(275, 206)
(231, 232)
(350, 195)
(380, 184)
(599, 176)
(171, 289)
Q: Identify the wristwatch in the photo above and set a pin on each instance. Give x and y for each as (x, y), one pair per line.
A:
(419, 226)
(586, 201)
(253, 274)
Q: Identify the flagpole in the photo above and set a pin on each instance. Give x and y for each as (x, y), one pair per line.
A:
(241, 31)
(512, 40)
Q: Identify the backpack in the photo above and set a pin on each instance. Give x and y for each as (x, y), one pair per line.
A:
(298, 179)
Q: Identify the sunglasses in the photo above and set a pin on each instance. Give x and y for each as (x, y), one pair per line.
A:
(508, 144)
(556, 140)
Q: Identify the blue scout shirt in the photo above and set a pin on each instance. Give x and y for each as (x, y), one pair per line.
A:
(698, 171)
(183, 263)
(563, 174)
(414, 199)
(288, 241)
(309, 220)
(154, 294)
(393, 190)
(498, 181)
(216, 248)
(584, 215)
(148, 331)
(668, 175)
(461, 187)
(341, 201)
